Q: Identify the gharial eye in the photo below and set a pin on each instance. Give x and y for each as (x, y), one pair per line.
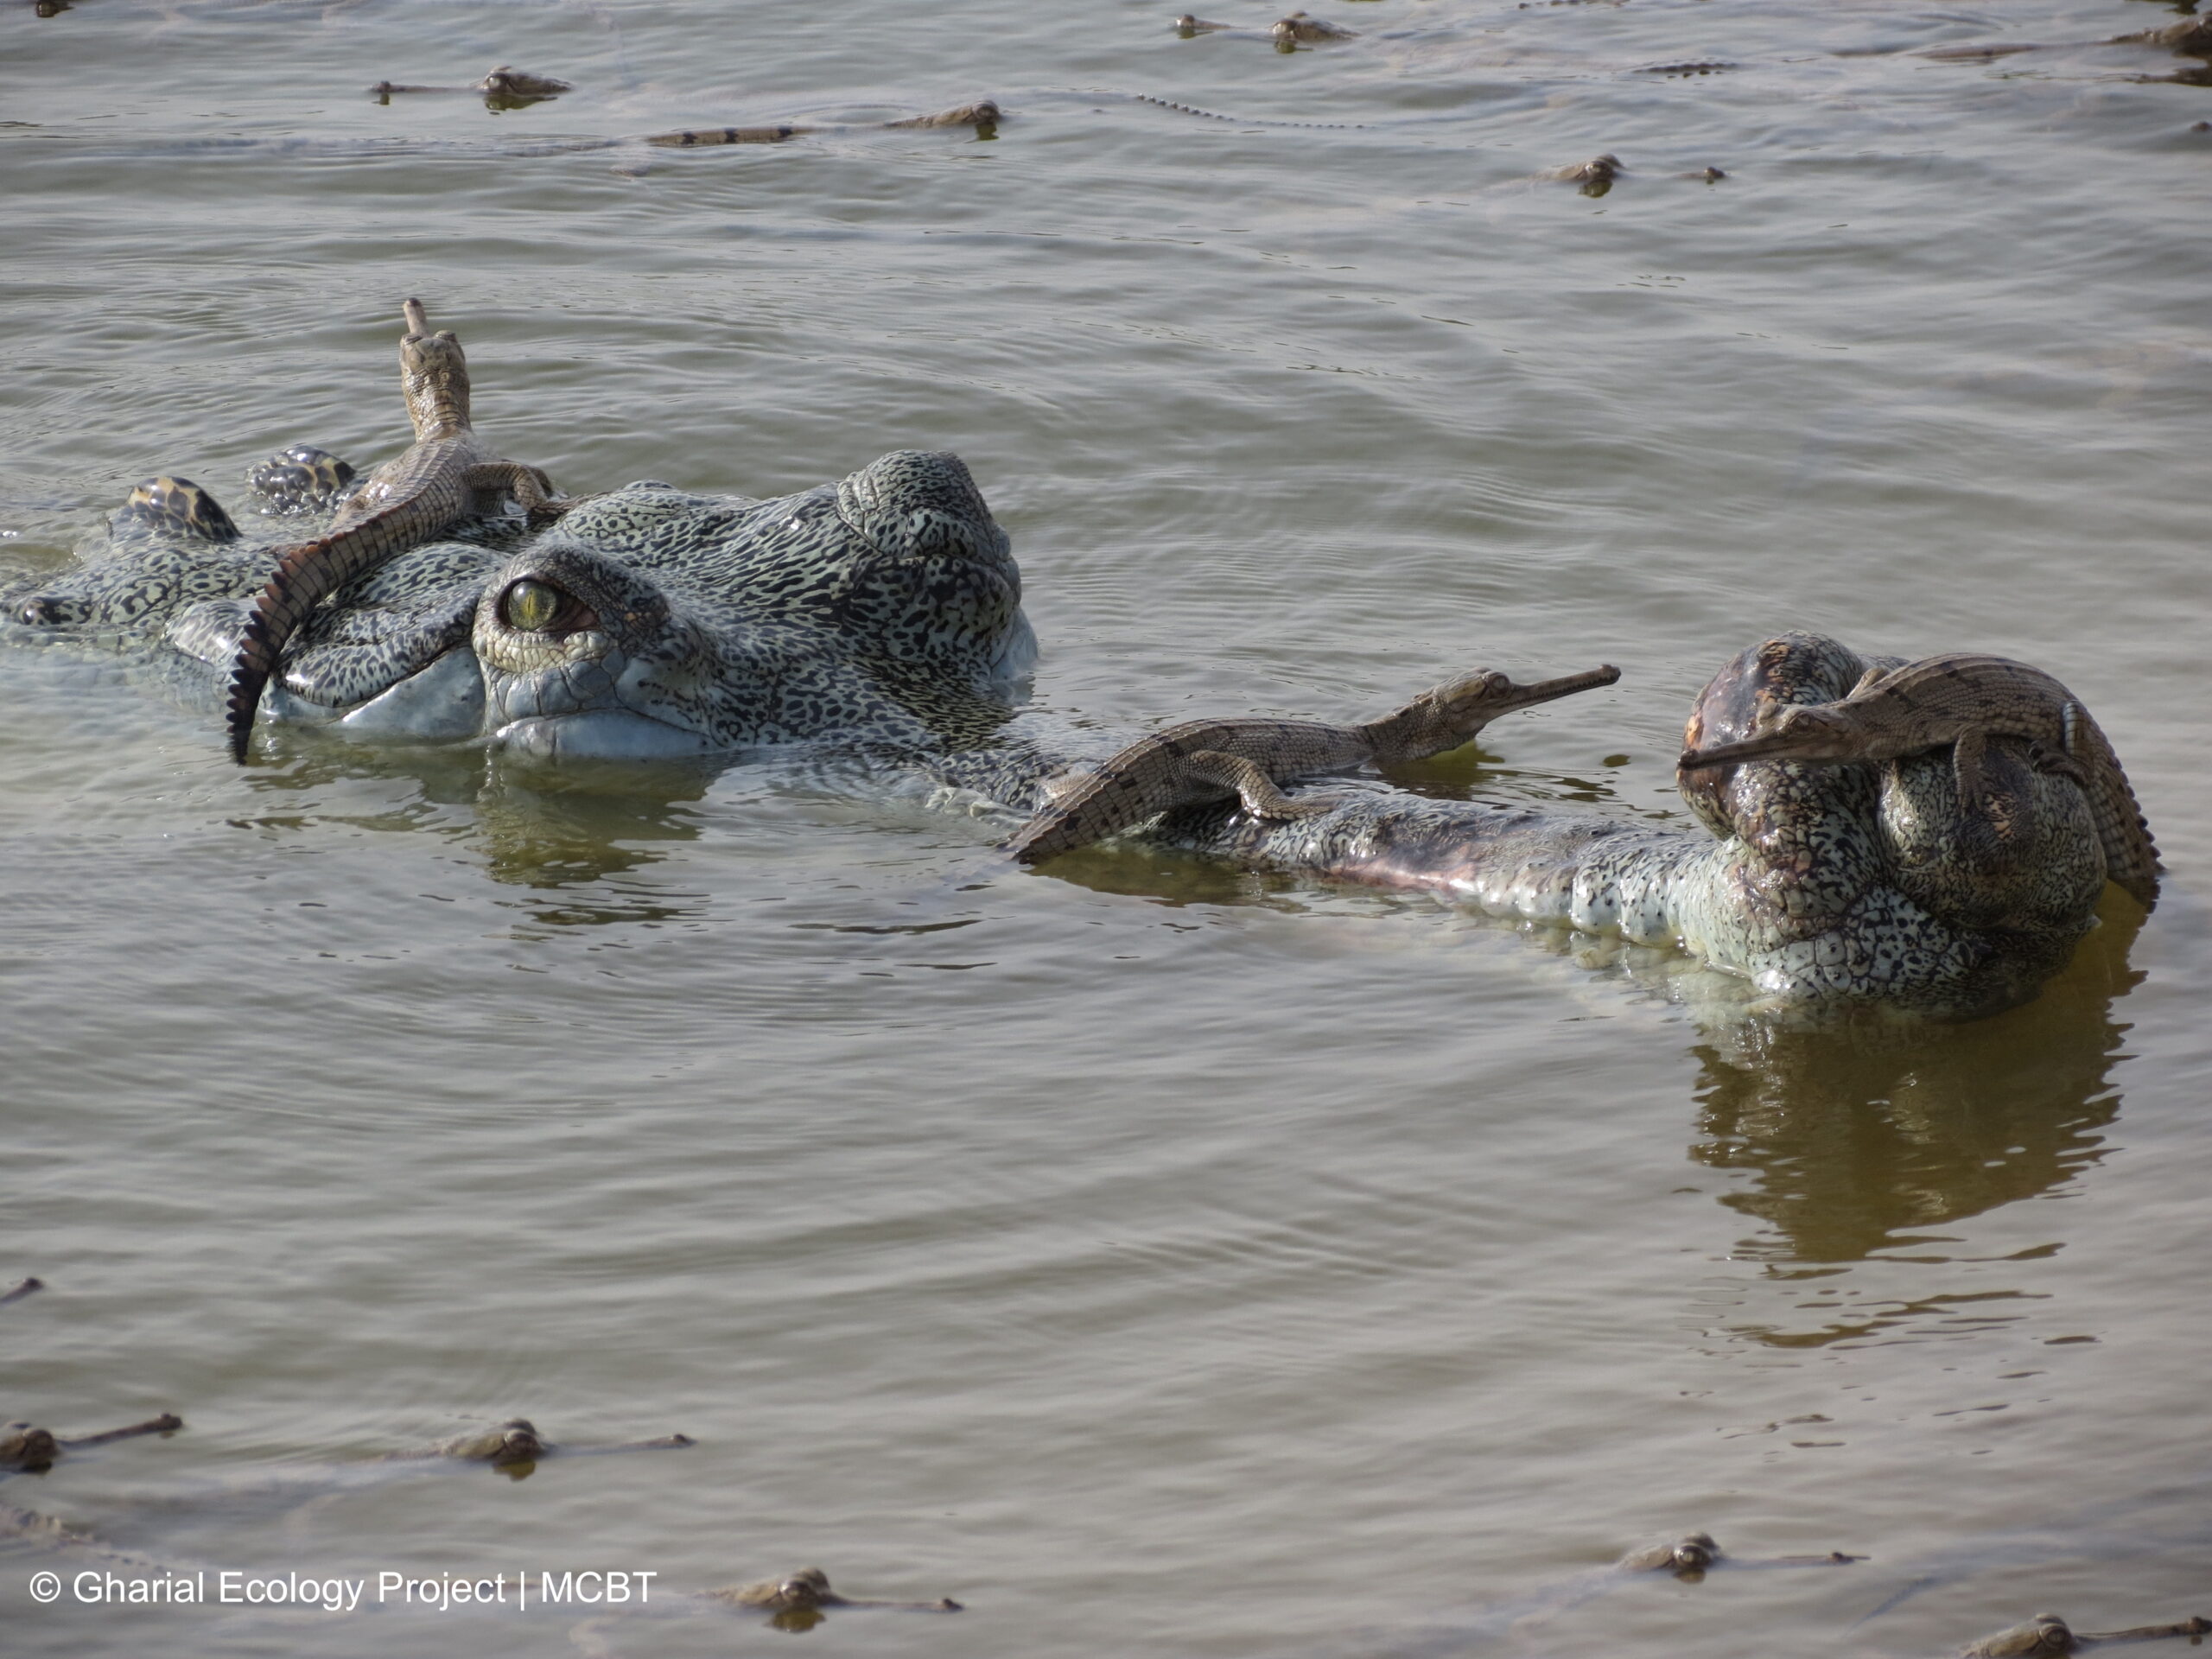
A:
(530, 605)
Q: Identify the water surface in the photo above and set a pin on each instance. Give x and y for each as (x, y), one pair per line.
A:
(1156, 1258)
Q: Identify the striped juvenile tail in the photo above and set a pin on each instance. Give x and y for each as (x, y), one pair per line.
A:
(309, 573)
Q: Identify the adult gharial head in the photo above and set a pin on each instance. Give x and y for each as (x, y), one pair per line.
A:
(584, 657)
(653, 624)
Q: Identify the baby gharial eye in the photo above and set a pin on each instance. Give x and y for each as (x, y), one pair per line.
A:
(532, 606)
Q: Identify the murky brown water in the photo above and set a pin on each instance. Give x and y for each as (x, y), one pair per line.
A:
(1155, 1259)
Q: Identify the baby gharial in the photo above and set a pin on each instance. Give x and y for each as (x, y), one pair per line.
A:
(1694, 1553)
(796, 1600)
(1299, 29)
(515, 1445)
(1961, 700)
(505, 87)
(2047, 1634)
(27, 1447)
(1202, 759)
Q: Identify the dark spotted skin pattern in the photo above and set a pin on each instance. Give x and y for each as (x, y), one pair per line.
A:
(420, 494)
(884, 609)
(1833, 883)
(170, 545)
(301, 479)
(167, 507)
(1238, 120)
(881, 614)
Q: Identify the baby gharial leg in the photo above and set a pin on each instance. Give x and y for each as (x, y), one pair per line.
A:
(1249, 782)
(532, 490)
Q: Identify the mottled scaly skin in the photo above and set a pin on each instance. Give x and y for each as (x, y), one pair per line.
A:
(883, 610)
(403, 503)
(1205, 759)
(882, 615)
(1820, 884)
(1958, 701)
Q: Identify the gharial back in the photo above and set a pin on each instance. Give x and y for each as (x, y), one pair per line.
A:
(1976, 688)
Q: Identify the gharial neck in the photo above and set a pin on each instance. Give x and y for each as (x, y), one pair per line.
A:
(435, 376)
(1417, 730)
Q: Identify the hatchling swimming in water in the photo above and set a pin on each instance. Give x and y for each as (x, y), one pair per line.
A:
(2047, 1634)
(33, 1450)
(1595, 175)
(516, 1443)
(1694, 1553)
(1301, 30)
(796, 1600)
(28, 1288)
(503, 88)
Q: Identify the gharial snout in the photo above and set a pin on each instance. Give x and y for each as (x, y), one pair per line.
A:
(1750, 749)
(1523, 697)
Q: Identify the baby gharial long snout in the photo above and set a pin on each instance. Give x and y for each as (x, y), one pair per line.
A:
(1797, 732)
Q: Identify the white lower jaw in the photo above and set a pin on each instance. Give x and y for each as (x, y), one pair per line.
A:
(600, 735)
(445, 700)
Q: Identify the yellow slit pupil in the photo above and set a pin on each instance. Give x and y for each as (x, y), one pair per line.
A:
(532, 607)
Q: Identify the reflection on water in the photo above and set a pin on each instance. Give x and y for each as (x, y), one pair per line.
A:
(531, 828)
(567, 832)
(1867, 1136)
